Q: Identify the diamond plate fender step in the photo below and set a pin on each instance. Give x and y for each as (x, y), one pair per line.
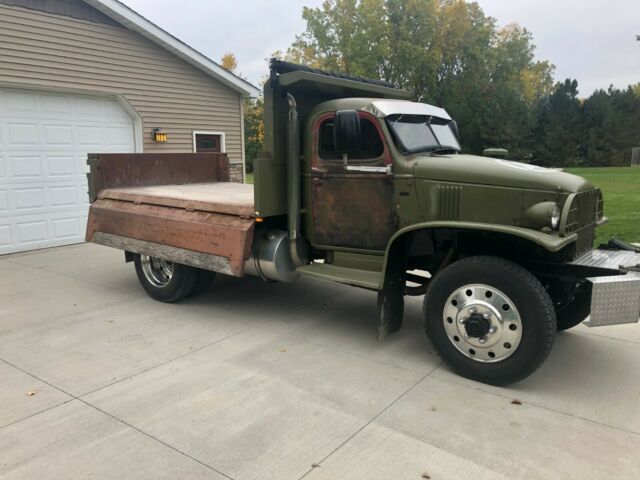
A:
(614, 300)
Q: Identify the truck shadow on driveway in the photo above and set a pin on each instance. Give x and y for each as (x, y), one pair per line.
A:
(333, 315)
(583, 377)
(345, 318)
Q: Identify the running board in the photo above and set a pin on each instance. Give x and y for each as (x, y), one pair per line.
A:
(351, 276)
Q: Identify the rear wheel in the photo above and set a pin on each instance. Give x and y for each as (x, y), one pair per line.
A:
(163, 280)
(204, 281)
(490, 319)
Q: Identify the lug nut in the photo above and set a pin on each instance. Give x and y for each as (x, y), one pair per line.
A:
(486, 316)
(492, 330)
(482, 340)
(462, 320)
(472, 311)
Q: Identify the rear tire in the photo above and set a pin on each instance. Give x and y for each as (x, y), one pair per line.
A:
(165, 281)
(490, 319)
(204, 281)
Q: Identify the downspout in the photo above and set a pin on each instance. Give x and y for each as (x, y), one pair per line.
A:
(296, 242)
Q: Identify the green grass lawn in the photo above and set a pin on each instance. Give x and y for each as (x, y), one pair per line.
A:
(621, 189)
(249, 178)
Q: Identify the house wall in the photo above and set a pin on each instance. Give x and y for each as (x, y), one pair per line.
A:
(52, 51)
(70, 8)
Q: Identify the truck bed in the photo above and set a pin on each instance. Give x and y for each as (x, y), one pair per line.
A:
(216, 197)
(198, 219)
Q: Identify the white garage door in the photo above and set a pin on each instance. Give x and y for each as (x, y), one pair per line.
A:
(44, 141)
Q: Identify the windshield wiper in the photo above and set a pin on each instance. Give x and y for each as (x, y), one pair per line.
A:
(432, 149)
(442, 149)
(426, 148)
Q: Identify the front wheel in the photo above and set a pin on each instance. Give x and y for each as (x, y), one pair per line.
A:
(490, 319)
(163, 280)
(576, 312)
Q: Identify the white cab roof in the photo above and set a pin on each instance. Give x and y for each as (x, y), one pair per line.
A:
(384, 108)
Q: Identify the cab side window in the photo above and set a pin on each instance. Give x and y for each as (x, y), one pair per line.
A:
(372, 146)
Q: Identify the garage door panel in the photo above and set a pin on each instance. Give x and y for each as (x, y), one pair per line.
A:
(25, 166)
(5, 236)
(119, 136)
(21, 102)
(55, 104)
(87, 107)
(4, 201)
(58, 134)
(29, 198)
(66, 227)
(22, 134)
(33, 231)
(90, 135)
(44, 141)
(59, 166)
(36, 198)
(64, 196)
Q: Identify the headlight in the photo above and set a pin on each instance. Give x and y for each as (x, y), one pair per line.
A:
(555, 216)
(544, 215)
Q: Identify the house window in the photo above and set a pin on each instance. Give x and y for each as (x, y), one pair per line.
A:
(208, 142)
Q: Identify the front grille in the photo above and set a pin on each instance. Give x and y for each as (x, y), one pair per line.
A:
(585, 209)
(585, 240)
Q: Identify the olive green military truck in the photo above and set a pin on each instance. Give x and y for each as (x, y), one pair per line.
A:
(361, 186)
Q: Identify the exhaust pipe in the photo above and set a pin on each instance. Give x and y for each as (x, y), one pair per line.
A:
(297, 247)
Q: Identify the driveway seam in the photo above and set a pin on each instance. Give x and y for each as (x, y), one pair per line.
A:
(165, 362)
(37, 413)
(67, 275)
(155, 438)
(533, 404)
(110, 416)
(371, 420)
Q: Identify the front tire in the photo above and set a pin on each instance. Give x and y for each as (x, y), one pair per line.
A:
(576, 312)
(490, 319)
(163, 280)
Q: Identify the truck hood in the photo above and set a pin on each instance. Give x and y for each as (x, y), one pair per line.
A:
(477, 170)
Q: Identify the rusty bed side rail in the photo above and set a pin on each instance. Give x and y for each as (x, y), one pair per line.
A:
(117, 170)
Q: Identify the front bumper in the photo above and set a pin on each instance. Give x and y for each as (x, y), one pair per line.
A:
(615, 299)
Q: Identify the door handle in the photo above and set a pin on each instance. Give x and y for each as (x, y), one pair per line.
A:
(366, 169)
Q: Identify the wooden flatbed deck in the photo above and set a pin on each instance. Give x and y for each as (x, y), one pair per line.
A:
(180, 207)
(215, 197)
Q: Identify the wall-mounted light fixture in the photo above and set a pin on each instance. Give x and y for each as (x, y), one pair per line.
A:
(159, 135)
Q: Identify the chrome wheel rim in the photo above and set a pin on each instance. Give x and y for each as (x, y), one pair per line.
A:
(482, 323)
(157, 271)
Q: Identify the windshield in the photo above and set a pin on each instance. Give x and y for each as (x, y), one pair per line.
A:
(417, 133)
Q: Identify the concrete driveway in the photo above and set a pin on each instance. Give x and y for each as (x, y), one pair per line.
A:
(259, 380)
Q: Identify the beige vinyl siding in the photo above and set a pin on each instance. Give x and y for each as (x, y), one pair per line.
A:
(49, 51)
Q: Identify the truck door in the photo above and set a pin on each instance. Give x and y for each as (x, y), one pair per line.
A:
(352, 201)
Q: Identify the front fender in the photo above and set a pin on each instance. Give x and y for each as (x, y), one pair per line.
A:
(551, 242)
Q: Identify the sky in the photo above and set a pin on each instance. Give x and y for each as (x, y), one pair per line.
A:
(593, 41)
